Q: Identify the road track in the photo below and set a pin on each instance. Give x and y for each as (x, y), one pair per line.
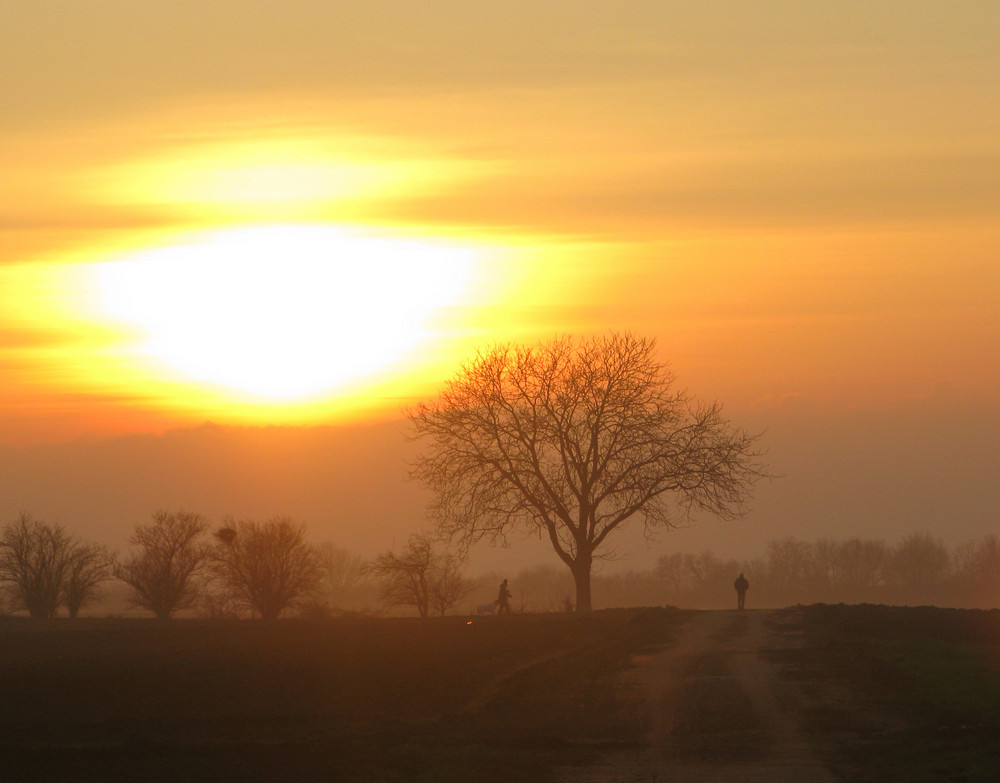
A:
(713, 709)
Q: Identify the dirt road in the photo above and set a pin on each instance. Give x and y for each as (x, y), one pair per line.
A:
(712, 708)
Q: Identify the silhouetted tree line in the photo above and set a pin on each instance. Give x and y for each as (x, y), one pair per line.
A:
(42, 567)
(918, 569)
(244, 568)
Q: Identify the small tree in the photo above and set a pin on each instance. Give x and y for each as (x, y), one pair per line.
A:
(404, 579)
(919, 560)
(421, 577)
(863, 562)
(789, 564)
(34, 561)
(977, 562)
(448, 584)
(268, 567)
(163, 573)
(89, 566)
(670, 569)
(342, 575)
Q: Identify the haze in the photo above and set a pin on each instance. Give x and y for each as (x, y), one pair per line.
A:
(797, 200)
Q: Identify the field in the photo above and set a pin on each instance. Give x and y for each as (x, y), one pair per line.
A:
(829, 692)
(919, 690)
(347, 699)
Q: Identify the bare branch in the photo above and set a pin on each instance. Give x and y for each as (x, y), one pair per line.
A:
(421, 577)
(267, 567)
(163, 572)
(35, 559)
(575, 438)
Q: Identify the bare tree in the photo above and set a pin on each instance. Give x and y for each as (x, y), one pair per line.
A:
(977, 563)
(826, 563)
(163, 573)
(342, 573)
(34, 561)
(404, 579)
(89, 566)
(789, 564)
(919, 560)
(421, 576)
(573, 439)
(448, 584)
(268, 566)
(863, 562)
(670, 569)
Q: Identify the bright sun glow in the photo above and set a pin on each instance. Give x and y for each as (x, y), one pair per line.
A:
(283, 311)
(290, 177)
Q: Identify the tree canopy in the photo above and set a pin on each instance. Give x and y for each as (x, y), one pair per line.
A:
(35, 559)
(164, 568)
(574, 438)
(267, 567)
(421, 577)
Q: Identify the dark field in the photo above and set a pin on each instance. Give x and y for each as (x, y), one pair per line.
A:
(885, 694)
(913, 693)
(346, 699)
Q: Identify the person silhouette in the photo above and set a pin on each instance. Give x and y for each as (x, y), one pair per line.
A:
(742, 585)
(503, 599)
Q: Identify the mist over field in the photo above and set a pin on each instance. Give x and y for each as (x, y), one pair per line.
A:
(928, 469)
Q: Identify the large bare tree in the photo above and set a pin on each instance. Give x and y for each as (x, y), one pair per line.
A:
(163, 571)
(574, 438)
(267, 567)
(34, 562)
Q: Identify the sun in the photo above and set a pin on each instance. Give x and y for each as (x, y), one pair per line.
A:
(281, 312)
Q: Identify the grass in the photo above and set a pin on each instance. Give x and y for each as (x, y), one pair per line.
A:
(946, 675)
(345, 699)
(928, 679)
(897, 694)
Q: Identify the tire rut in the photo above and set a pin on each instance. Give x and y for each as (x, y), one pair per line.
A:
(710, 711)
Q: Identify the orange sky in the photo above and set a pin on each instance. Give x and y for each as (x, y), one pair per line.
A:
(799, 200)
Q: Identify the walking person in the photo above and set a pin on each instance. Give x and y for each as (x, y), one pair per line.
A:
(503, 599)
(742, 585)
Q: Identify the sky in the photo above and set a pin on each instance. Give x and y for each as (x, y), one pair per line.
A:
(798, 200)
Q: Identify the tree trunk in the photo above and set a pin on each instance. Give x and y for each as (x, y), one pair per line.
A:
(581, 575)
